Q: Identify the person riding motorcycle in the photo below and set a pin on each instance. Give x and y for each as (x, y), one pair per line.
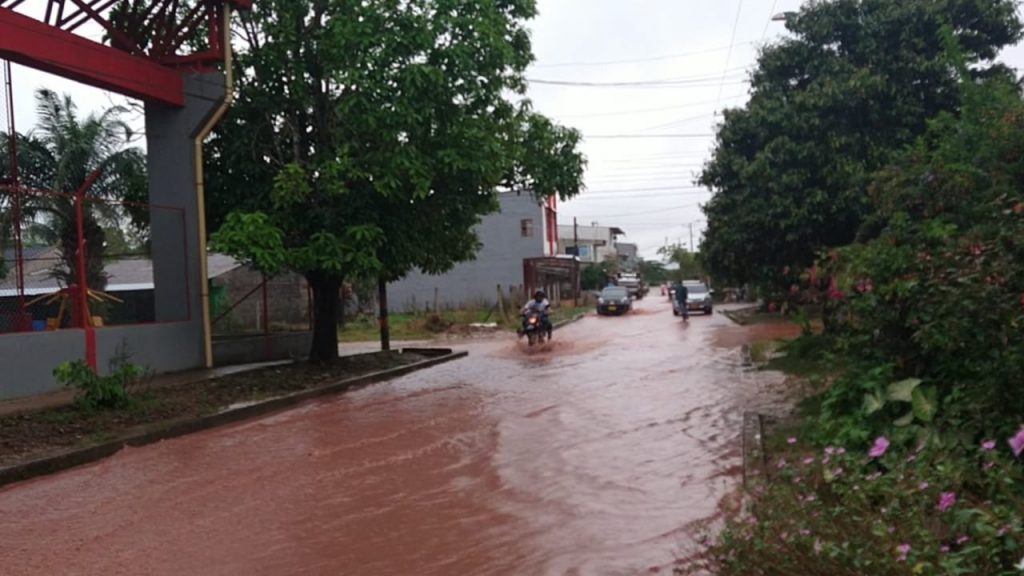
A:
(540, 305)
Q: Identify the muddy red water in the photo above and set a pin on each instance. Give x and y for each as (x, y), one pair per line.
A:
(593, 455)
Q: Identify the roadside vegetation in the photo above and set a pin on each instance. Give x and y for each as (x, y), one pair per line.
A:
(430, 325)
(909, 457)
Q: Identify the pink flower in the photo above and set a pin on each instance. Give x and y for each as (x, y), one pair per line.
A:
(873, 476)
(809, 460)
(830, 451)
(962, 540)
(988, 466)
(946, 501)
(903, 550)
(882, 445)
(782, 463)
(923, 486)
(841, 451)
(791, 440)
(988, 445)
(826, 460)
(1004, 531)
(1017, 443)
(944, 549)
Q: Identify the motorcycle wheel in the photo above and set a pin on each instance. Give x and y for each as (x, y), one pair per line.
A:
(531, 338)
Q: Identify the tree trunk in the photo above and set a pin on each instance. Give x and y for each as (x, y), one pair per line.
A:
(382, 302)
(325, 309)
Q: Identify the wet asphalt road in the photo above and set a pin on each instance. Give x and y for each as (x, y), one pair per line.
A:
(596, 454)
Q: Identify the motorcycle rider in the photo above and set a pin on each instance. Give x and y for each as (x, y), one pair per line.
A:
(540, 305)
(681, 294)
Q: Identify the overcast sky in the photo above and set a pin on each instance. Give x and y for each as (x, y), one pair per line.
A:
(703, 48)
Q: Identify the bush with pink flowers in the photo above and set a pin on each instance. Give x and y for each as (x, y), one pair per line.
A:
(886, 511)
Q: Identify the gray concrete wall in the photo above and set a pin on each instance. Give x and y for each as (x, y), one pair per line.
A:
(28, 360)
(253, 349)
(170, 133)
(500, 261)
(160, 348)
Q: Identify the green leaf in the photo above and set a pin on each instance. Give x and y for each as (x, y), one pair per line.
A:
(872, 404)
(903, 390)
(905, 421)
(924, 403)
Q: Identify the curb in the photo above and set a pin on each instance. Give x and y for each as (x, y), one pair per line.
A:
(181, 427)
(573, 320)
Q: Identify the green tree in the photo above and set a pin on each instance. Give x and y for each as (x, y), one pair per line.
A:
(856, 82)
(55, 160)
(369, 137)
(652, 272)
(937, 295)
(688, 264)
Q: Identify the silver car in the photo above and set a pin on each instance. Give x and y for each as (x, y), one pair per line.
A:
(698, 298)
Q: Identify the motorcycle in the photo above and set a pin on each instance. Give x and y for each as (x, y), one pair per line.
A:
(534, 329)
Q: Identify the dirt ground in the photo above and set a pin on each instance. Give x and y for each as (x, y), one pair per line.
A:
(35, 434)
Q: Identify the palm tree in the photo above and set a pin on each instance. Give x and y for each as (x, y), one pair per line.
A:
(56, 159)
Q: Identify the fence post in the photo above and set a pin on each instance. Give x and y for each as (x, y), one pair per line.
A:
(437, 300)
(501, 305)
(385, 326)
(267, 346)
(81, 294)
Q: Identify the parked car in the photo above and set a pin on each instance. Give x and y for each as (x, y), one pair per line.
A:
(698, 298)
(614, 300)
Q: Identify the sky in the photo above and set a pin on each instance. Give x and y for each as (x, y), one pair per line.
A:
(703, 48)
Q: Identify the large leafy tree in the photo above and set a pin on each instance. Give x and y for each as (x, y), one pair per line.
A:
(369, 137)
(55, 160)
(856, 82)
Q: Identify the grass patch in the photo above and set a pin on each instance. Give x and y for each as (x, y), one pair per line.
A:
(405, 326)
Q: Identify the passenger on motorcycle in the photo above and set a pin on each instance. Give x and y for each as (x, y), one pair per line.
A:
(540, 305)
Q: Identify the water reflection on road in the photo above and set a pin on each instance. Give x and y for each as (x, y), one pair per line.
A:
(592, 455)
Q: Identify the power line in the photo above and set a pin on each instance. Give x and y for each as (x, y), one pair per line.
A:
(678, 122)
(648, 110)
(630, 197)
(767, 24)
(704, 83)
(636, 60)
(732, 43)
(657, 81)
(644, 213)
(622, 136)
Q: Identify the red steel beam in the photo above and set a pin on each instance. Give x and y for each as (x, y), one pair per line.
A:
(38, 45)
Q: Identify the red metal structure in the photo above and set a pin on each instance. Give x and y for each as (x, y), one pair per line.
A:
(148, 42)
(138, 48)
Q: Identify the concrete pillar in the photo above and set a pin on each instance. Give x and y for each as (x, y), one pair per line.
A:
(170, 138)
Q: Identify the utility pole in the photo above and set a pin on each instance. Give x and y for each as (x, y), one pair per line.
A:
(693, 249)
(576, 262)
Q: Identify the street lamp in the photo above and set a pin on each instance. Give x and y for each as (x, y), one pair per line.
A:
(783, 16)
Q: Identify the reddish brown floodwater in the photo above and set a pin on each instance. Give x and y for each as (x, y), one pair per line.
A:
(595, 455)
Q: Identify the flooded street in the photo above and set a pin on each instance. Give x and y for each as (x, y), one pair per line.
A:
(594, 455)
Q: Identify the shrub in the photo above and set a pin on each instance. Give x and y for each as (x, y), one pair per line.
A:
(99, 392)
(922, 511)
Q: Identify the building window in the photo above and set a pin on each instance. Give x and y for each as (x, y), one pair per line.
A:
(526, 228)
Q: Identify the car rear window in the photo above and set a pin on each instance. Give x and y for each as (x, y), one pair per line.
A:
(697, 289)
(613, 293)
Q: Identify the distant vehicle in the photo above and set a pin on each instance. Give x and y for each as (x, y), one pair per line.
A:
(614, 300)
(698, 298)
(633, 283)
